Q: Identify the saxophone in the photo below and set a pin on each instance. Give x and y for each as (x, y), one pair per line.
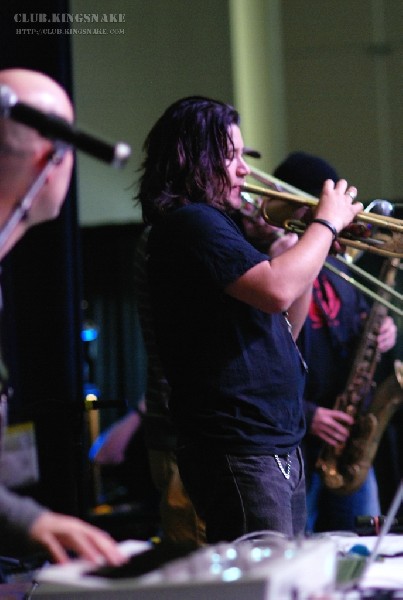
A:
(344, 468)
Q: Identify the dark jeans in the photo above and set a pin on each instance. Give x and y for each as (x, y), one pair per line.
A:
(236, 495)
(329, 511)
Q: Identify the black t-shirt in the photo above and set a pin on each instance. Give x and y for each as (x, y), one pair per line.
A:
(236, 375)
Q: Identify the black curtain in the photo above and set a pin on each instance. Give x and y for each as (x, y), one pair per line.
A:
(117, 356)
(41, 278)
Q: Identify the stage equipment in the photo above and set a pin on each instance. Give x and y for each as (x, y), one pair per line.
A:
(56, 128)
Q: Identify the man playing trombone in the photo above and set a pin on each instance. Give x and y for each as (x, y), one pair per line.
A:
(224, 338)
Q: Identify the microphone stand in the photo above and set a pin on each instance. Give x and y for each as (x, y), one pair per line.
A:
(64, 135)
(56, 128)
(21, 210)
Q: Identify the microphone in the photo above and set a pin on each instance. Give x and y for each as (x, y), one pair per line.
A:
(56, 128)
(380, 207)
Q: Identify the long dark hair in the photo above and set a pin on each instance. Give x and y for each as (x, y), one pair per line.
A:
(185, 154)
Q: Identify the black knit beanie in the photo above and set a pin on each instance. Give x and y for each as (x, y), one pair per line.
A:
(305, 172)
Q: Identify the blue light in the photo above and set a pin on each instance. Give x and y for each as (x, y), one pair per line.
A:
(89, 334)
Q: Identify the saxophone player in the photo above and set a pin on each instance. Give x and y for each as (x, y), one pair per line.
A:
(328, 341)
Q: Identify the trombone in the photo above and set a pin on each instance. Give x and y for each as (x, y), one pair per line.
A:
(280, 214)
(278, 206)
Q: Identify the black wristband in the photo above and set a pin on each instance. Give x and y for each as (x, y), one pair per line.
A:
(327, 224)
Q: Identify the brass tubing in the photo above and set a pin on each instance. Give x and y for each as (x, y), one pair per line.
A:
(381, 221)
(371, 294)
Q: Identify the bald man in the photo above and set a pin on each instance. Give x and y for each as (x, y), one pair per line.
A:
(23, 152)
(23, 155)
